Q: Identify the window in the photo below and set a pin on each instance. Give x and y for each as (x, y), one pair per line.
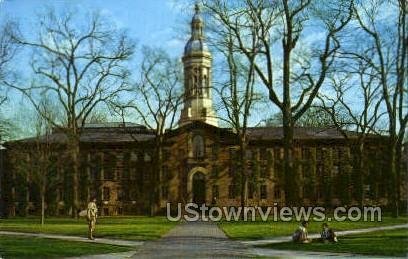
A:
(215, 192)
(204, 112)
(215, 151)
(248, 154)
(319, 153)
(319, 170)
(277, 192)
(251, 190)
(106, 211)
(198, 146)
(165, 173)
(132, 172)
(133, 157)
(264, 153)
(263, 192)
(232, 153)
(60, 194)
(264, 172)
(339, 152)
(120, 194)
(305, 153)
(277, 153)
(335, 170)
(95, 166)
(215, 172)
(231, 191)
(166, 154)
(147, 157)
(164, 192)
(205, 85)
(109, 166)
(232, 162)
(106, 194)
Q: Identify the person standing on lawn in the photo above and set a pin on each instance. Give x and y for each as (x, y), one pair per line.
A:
(91, 217)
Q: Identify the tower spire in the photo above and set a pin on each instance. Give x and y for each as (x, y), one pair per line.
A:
(197, 24)
(197, 76)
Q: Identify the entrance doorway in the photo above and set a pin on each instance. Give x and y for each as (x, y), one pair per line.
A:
(199, 188)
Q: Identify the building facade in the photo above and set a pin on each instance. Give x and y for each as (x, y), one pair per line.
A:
(200, 161)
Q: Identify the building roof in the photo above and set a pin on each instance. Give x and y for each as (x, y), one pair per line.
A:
(99, 133)
(275, 133)
(111, 133)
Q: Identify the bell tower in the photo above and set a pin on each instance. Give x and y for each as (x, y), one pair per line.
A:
(197, 77)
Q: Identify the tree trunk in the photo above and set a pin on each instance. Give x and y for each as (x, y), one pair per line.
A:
(392, 164)
(398, 162)
(360, 173)
(291, 192)
(42, 208)
(155, 179)
(75, 175)
(244, 176)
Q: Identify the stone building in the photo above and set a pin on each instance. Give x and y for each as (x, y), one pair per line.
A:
(200, 160)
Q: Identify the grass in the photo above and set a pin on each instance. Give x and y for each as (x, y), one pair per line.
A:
(129, 228)
(380, 243)
(29, 247)
(242, 230)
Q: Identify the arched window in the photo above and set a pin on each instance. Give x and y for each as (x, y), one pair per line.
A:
(205, 85)
(198, 146)
(196, 81)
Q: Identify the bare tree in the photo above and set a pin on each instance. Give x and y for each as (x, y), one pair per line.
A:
(156, 98)
(384, 50)
(43, 155)
(8, 51)
(237, 95)
(355, 124)
(78, 65)
(258, 26)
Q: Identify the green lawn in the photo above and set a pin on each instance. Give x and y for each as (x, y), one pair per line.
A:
(29, 247)
(130, 228)
(384, 243)
(260, 230)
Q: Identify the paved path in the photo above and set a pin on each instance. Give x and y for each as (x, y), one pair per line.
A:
(118, 242)
(194, 240)
(204, 240)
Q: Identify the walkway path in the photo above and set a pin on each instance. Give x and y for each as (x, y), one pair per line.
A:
(108, 241)
(203, 240)
(194, 240)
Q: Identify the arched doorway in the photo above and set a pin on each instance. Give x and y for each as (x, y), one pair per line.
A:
(199, 188)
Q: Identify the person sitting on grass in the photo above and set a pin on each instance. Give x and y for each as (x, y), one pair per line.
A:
(328, 234)
(300, 235)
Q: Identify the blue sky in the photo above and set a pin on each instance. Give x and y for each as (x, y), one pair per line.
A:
(156, 23)
(149, 22)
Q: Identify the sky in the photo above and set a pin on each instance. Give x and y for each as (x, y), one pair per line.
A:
(155, 23)
(150, 23)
